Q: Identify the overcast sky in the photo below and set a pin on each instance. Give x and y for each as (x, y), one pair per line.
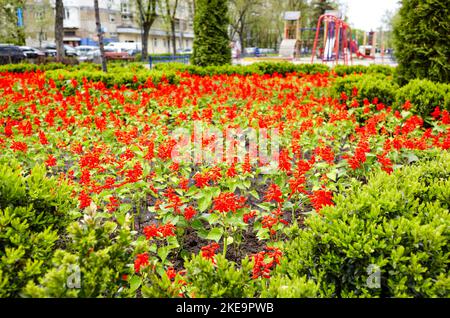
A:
(368, 14)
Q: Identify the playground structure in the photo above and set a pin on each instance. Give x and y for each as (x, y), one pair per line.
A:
(337, 39)
(290, 45)
(367, 50)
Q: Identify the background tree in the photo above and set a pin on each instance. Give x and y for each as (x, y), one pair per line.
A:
(421, 39)
(10, 31)
(211, 42)
(43, 13)
(147, 15)
(242, 15)
(100, 36)
(170, 9)
(59, 30)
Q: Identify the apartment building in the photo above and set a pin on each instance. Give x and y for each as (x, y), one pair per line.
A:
(120, 21)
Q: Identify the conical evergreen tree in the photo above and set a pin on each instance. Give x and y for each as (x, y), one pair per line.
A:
(211, 42)
(421, 40)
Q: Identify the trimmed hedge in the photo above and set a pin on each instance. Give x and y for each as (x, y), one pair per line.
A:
(342, 70)
(424, 96)
(368, 86)
(129, 78)
(27, 67)
(270, 68)
(396, 228)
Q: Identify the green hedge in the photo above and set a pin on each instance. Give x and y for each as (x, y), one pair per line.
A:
(34, 211)
(368, 85)
(398, 224)
(342, 70)
(118, 77)
(28, 67)
(424, 96)
(270, 68)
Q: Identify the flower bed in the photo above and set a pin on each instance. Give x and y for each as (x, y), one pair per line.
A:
(169, 201)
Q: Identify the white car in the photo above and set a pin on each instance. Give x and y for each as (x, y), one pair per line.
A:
(87, 53)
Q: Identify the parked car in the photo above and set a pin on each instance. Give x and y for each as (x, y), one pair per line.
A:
(252, 51)
(31, 52)
(117, 54)
(10, 54)
(124, 46)
(184, 51)
(50, 50)
(87, 53)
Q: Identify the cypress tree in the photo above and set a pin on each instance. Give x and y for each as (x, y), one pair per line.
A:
(421, 40)
(211, 42)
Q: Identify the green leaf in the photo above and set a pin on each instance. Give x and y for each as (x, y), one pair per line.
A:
(254, 194)
(215, 234)
(163, 252)
(229, 240)
(197, 225)
(332, 175)
(204, 202)
(135, 283)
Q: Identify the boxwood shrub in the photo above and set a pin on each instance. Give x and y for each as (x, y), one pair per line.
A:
(368, 86)
(34, 211)
(396, 226)
(424, 96)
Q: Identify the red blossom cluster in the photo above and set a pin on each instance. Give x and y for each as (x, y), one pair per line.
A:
(154, 230)
(209, 251)
(140, 261)
(265, 261)
(274, 193)
(321, 198)
(228, 202)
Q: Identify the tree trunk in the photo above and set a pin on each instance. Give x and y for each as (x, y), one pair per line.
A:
(100, 36)
(145, 33)
(173, 36)
(59, 30)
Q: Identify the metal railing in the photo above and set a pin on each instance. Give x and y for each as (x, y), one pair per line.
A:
(168, 59)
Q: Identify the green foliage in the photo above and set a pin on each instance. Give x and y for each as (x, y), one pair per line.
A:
(34, 210)
(286, 287)
(129, 77)
(399, 223)
(93, 263)
(421, 37)
(257, 68)
(342, 70)
(220, 280)
(285, 68)
(424, 96)
(211, 42)
(368, 86)
(28, 67)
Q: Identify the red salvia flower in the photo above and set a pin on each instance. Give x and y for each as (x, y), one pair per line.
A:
(321, 198)
(141, 261)
(84, 199)
(274, 194)
(436, 113)
(189, 213)
(51, 161)
(42, 138)
(227, 202)
(285, 161)
(209, 251)
(19, 146)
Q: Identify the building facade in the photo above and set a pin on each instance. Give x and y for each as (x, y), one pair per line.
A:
(119, 19)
